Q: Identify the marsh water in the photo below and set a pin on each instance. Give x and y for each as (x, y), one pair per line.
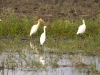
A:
(29, 58)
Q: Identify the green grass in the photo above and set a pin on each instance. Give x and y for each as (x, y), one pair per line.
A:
(13, 26)
(60, 33)
(77, 45)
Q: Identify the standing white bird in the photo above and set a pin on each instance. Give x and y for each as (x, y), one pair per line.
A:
(43, 36)
(35, 27)
(81, 28)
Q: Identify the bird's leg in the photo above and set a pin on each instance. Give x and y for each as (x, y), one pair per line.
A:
(81, 36)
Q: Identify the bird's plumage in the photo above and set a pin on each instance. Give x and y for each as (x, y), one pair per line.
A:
(34, 28)
(81, 28)
(43, 36)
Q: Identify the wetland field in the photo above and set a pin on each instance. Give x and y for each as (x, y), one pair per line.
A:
(63, 52)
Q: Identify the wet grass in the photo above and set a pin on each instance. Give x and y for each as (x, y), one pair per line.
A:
(76, 45)
(61, 35)
(55, 52)
(61, 39)
(88, 45)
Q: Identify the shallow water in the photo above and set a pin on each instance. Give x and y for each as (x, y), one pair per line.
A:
(28, 58)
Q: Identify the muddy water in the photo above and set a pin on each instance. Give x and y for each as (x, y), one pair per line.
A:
(25, 58)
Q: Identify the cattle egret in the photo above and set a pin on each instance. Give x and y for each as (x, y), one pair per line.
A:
(43, 36)
(35, 27)
(81, 28)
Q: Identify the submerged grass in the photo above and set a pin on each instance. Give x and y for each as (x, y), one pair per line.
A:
(58, 47)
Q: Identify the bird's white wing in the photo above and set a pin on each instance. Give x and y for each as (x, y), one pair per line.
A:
(81, 29)
(33, 29)
(42, 38)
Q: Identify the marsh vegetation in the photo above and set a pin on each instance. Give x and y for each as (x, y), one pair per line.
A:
(63, 52)
(28, 57)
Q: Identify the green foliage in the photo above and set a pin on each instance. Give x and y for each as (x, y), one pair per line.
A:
(66, 28)
(93, 27)
(14, 26)
(60, 28)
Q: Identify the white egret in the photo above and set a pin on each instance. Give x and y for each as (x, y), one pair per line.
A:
(43, 36)
(35, 27)
(81, 28)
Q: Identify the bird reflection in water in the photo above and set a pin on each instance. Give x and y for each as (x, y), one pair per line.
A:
(40, 56)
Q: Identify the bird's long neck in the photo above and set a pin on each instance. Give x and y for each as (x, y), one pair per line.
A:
(44, 30)
(83, 22)
(39, 23)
